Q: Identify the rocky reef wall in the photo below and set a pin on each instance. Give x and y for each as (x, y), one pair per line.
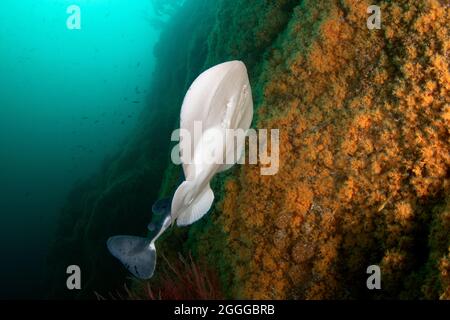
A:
(364, 150)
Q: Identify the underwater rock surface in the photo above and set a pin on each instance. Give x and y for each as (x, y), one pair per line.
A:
(364, 119)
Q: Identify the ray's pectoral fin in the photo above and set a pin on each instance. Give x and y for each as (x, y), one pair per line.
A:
(190, 208)
(137, 254)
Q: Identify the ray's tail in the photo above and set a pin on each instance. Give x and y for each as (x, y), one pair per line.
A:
(137, 254)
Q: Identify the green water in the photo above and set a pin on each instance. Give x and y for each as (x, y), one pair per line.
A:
(68, 99)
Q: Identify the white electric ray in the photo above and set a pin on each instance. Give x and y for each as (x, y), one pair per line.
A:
(219, 99)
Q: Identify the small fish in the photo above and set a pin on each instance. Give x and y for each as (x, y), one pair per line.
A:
(85, 118)
(136, 102)
(138, 254)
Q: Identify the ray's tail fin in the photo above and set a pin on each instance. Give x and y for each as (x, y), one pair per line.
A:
(137, 254)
